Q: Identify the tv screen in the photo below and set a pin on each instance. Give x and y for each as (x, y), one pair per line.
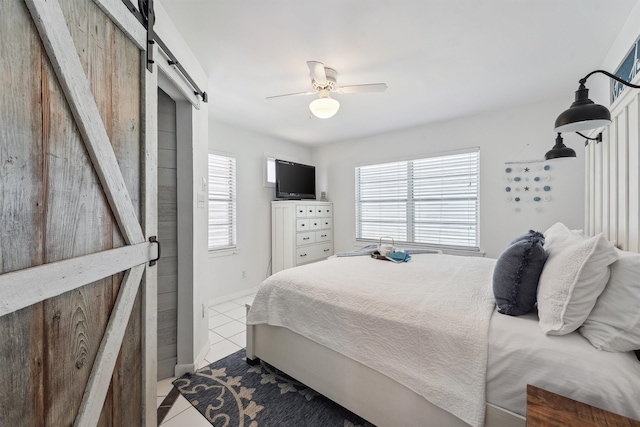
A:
(295, 181)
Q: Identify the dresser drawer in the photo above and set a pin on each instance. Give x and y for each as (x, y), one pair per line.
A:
(306, 238)
(311, 210)
(301, 211)
(326, 211)
(325, 223)
(302, 225)
(323, 236)
(313, 253)
(315, 224)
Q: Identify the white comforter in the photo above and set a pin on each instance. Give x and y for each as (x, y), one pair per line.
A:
(423, 323)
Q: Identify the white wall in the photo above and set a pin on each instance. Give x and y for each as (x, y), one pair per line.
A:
(501, 135)
(253, 253)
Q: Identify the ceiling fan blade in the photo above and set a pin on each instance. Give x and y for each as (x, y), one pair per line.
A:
(374, 87)
(317, 72)
(292, 94)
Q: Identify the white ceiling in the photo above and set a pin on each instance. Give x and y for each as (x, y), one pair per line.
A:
(441, 59)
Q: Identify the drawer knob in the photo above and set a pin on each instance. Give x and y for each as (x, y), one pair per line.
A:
(305, 238)
(303, 255)
(326, 250)
(323, 235)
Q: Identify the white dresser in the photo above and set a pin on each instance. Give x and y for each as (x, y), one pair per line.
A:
(301, 232)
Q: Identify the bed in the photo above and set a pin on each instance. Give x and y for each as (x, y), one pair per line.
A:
(421, 343)
(517, 351)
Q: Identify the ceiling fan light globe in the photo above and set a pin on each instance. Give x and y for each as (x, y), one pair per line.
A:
(324, 108)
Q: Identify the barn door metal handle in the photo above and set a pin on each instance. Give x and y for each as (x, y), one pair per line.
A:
(154, 239)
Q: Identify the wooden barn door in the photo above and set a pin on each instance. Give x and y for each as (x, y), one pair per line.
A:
(78, 203)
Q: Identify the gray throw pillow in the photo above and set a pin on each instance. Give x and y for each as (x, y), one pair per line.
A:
(517, 272)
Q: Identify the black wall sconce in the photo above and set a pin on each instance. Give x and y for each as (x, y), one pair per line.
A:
(561, 151)
(583, 114)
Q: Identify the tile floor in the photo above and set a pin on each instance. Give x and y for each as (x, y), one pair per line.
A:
(226, 336)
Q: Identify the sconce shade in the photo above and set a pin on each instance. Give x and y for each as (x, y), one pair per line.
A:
(324, 108)
(583, 114)
(559, 150)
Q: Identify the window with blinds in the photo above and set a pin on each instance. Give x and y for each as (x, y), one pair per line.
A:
(222, 202)
(431, 201)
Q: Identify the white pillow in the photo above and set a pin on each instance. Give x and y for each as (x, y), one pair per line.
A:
(573, 277)
(614, 323)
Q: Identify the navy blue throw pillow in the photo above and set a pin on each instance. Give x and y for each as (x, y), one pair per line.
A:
(532, 234)
(517, 272)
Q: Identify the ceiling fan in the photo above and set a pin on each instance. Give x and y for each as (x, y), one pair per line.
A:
(323, 81)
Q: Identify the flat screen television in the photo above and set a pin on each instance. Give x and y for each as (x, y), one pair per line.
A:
(295, 181)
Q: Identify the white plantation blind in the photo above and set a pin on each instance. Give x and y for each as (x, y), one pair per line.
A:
(432, 201)
(222, 202)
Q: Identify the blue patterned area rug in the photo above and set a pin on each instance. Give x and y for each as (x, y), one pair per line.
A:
(231, 393)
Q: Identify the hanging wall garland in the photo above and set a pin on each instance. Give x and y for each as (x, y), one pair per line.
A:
(527, 182)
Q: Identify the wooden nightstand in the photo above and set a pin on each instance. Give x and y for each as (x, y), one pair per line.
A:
(548, 409)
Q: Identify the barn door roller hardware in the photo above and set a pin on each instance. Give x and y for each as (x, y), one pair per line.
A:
(146, 16)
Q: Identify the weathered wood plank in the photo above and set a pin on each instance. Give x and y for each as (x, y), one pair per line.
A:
(21, 370)
(167, 284)
(130, 368)
(167, 212)
(21, 211)
(167, 159)
(167, 301)
(169, 248)
(169, 266)
(125, 135)
(21, 158)
(166, 368)
(167, 177)
(23, 288)
(59, 45)
(78, 222)
(167, 231)
(167, 351)
(98, 384)
(124, 19)
(73, 323)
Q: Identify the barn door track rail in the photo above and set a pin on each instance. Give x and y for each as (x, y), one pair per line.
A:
(146, 16)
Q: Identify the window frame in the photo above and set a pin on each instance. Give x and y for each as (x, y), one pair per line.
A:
(411, 199)
(232, 200)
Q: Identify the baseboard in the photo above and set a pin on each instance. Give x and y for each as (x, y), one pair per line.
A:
(220, 300)
(180, 370)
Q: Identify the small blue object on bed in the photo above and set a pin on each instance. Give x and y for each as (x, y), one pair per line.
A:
(517, 272)
(398, 256)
